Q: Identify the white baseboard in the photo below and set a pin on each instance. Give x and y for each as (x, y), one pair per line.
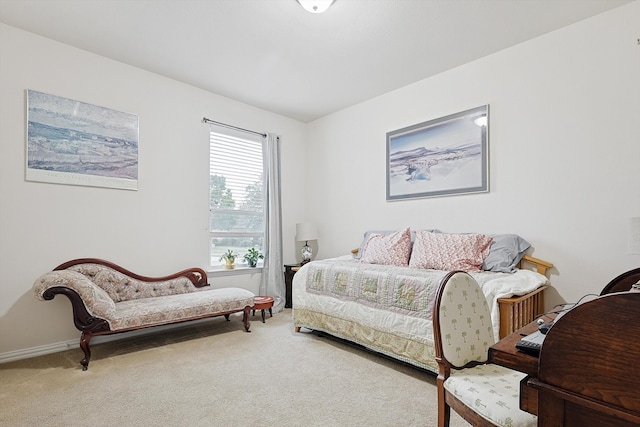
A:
(41, 350)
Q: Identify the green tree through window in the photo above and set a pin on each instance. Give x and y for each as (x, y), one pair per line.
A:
(221, 200)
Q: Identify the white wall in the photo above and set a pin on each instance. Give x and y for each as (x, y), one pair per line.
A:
(564, 153)
(564, 157)
(157, 230)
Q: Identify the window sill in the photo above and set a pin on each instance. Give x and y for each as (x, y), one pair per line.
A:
(238, 270)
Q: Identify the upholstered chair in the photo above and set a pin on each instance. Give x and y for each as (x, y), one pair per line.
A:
(483, 394)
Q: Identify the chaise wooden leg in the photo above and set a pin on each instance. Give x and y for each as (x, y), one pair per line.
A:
(245, 319)
(226, 316)
(85, 338)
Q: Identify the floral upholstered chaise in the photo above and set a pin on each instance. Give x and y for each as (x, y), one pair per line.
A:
(108, 299)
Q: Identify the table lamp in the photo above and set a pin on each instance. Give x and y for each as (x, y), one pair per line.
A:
(306, 231)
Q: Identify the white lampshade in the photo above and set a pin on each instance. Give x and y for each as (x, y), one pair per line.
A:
(306, 231)
(316, 6)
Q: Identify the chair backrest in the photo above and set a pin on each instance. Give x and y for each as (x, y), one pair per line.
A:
(462, 324)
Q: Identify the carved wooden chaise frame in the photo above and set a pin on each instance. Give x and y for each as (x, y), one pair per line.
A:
(93, 326)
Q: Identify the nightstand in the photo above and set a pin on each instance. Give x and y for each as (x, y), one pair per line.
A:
(289, 271)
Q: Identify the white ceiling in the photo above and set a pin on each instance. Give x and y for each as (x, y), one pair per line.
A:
(276, 56)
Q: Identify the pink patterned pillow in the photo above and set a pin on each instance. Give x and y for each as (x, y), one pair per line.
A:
(440, 251)
(391, 249)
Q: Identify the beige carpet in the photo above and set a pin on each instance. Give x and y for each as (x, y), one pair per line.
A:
(215, 374)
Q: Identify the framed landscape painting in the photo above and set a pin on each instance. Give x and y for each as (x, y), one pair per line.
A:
(72, 142)
(441, 157)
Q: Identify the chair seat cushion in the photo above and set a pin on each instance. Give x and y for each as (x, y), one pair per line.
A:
(493, 392)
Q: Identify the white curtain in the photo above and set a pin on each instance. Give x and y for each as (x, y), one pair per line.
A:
(272, 281)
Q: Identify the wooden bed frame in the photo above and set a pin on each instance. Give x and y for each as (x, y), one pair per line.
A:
(516, 312)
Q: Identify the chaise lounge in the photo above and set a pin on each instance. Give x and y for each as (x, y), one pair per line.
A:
(108, 299)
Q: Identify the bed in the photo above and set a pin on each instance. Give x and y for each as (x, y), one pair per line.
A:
(381, 296)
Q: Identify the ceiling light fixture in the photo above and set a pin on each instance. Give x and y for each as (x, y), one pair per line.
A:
(315, 6)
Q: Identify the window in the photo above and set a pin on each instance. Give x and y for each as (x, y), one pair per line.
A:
(236, 202)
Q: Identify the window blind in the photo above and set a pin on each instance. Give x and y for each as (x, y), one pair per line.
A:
(236, 202)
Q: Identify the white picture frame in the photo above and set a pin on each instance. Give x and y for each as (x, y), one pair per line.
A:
(441, 157)
(76, 143)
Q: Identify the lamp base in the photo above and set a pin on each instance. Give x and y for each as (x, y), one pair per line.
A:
(307, 252)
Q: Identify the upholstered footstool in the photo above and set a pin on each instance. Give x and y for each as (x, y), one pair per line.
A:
(262, 303)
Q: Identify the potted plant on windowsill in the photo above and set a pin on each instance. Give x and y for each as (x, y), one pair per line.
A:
(229, 258)
(252, 256)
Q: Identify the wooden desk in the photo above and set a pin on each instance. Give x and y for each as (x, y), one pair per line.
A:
(588, 370)
(504, 353)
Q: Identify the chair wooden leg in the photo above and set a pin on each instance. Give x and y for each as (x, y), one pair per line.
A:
(446, 415)
(444, 410)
